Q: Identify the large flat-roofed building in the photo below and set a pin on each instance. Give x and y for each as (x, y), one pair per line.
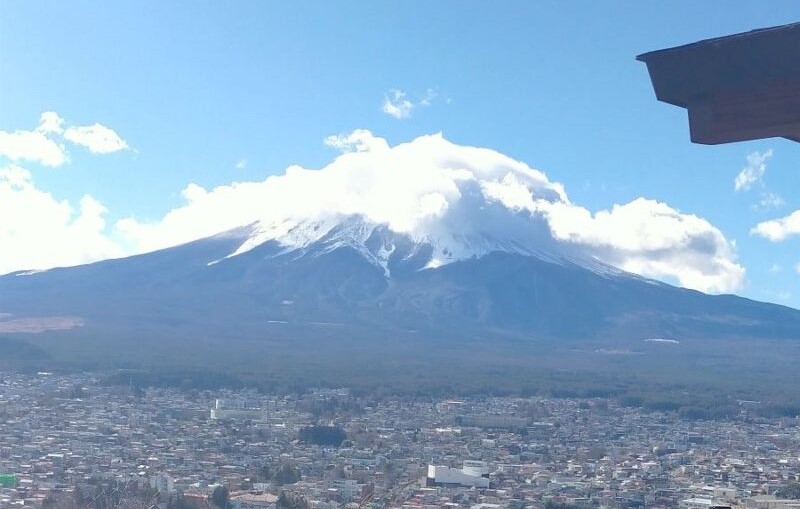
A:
(771, 502)
(236, 410)
(254, 501)
(475, 474)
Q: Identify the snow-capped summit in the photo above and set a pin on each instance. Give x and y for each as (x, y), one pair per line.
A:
(425, 249)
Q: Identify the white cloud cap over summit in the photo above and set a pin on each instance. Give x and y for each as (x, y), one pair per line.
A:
(464, 200)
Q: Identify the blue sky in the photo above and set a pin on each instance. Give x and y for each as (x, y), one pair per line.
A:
(195, 88)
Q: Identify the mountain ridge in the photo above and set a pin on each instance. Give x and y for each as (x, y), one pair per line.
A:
(362, 274)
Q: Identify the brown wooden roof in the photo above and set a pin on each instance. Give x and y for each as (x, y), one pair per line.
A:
(738, 87)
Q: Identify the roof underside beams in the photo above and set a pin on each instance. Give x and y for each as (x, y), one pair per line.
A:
(746, 115)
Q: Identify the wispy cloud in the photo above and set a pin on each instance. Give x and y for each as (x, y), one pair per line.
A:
(768, 201)
(397, 104)
(427, 100)
(753, 172)
(752, 175)
(241, 164)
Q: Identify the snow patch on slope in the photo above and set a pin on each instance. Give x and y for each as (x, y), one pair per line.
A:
(290, 233)
(378, 244)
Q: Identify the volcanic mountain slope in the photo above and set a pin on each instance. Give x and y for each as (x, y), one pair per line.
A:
(333, 278)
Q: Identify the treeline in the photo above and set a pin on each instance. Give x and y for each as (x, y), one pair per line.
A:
(289, 500)
(791, 491)
(179, 378)
(322, 435)
(710, 406)
(18, 350)
(286, 473)
(102, 494)
(687, 400)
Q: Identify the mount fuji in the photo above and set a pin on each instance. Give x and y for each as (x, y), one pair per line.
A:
(388, 252)
(335, 277)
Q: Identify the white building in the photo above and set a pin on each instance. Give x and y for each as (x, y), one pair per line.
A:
(770, 502)
(476, 468)
(348, 488)
(162, 484)
(236, 410)
(475, 474)
(696, 503)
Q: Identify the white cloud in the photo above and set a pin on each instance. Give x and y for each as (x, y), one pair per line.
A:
(38, 231)
(360, 140)
(433, 189)
(397, 104)
(33, 145)
(98, 138)
(753, 172)
(45, 144)
(50, 122)
(777, 230)
(651, 238)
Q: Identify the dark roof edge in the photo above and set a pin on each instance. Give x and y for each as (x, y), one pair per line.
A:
(644, 56)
